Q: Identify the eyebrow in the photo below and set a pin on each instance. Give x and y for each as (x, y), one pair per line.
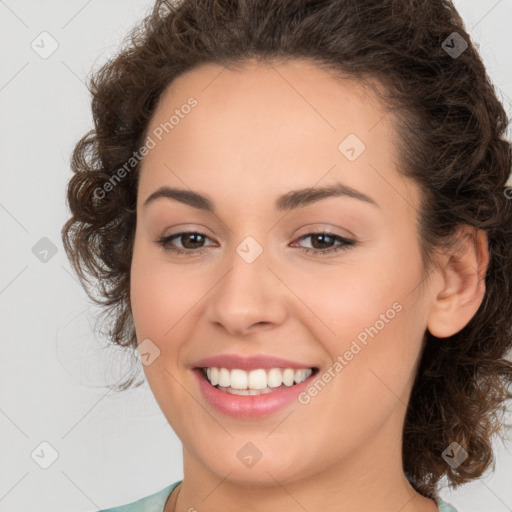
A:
(286, 202)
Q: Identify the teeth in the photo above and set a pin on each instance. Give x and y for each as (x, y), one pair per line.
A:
(288, 376)
(238, 379)
(257, 379)
(274, 378)
(214, 376)
(243, 383)
(224, 378)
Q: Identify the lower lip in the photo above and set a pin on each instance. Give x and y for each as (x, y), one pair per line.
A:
(250, 406)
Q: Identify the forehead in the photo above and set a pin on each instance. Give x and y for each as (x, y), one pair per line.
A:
(278, 125)
(271, 94)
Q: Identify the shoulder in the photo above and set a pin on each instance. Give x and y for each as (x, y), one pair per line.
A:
(153, 503)
(443, 506)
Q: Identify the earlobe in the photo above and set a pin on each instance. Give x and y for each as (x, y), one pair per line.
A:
(462, 288)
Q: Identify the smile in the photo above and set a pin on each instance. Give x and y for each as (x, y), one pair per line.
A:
(255, 382)
(253, 394)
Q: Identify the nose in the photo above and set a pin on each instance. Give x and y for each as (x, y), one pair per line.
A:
(248, 298)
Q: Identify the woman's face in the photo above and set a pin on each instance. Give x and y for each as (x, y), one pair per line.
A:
(248, 141)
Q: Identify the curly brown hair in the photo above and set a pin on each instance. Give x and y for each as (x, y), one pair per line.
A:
(450, 127)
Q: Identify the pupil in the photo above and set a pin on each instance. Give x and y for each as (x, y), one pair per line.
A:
(192, 235)
(323, 239)
(320, 237)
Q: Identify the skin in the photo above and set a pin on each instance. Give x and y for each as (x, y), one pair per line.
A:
(255, 134)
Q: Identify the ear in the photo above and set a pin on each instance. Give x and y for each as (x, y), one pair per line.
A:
(462, 283)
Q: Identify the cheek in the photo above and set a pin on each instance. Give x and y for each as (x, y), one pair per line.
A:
(373, 365)
(367, 319)
(160, 294)
(343, 301)
(161, 298)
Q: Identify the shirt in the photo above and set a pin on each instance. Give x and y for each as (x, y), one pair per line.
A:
(155, 502)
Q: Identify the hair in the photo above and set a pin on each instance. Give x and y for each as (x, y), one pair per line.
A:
(449, 125)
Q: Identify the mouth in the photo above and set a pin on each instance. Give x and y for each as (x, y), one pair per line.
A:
(254, 382)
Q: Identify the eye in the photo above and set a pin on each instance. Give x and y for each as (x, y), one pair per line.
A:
(326, 237)
(192, 237)
(196, 237)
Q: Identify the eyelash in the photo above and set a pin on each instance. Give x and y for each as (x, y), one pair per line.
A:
(165, 243)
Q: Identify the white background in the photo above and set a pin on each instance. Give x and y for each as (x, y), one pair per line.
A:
(112, 448)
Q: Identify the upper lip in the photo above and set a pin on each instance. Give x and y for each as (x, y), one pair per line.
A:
(248, 363)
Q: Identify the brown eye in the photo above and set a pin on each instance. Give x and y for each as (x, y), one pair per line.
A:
(190, 240)
(323, 238)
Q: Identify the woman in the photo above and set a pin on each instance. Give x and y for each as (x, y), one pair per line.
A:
(298, 213)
